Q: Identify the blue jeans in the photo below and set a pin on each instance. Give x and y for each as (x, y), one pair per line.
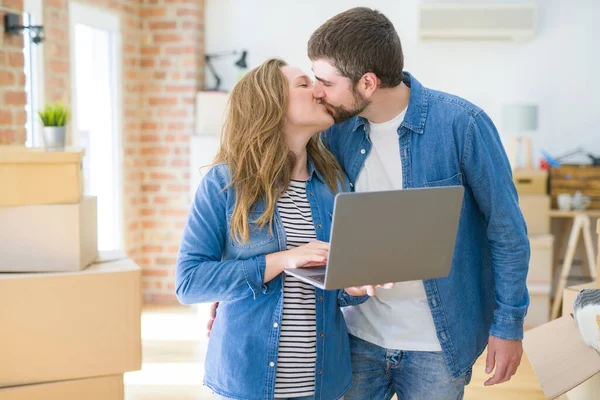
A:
(219, 397)
(378, 373)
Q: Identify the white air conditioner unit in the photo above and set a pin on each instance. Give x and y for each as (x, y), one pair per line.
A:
(477, 21)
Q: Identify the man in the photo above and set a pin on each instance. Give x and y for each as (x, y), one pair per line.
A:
(420, 339)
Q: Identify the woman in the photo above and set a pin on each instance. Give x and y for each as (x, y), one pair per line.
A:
(266, 207)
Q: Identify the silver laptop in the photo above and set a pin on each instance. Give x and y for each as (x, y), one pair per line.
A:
(389, 236)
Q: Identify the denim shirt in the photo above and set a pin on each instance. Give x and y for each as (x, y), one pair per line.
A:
(447, 141)
(241, 360)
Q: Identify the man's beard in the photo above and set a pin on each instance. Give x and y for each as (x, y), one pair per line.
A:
(341, 113)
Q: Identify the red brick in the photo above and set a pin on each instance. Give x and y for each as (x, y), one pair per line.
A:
(185, 12)
(7, 78)
(151, 249)
(155, 224)
(7, 136)
(161, 101)
(57, 34)
(176, 50)
(60, 4)
(147, 63)
(19, 117)
(12, 98)
(191, 25)
(5, 117)
(178, 188)
(155, 272)
(151, 187)
(15, 59)
(150, 50)
(162, 176)
(57, 51)
(147, 211)
(166, 260)
(162, 25)
(156, 162)
(167, 38)
(156, 151)
(147, 12)
(150, 138)
(180, 113)
(12, 5)
(58, 67)
(182, 88)
(161, 200)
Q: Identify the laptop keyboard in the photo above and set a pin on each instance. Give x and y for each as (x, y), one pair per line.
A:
(319, 278)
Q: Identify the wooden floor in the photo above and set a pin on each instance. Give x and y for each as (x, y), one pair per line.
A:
(174, 349)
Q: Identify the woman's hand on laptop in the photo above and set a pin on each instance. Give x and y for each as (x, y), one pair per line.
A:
(367, 289)
(312, 254)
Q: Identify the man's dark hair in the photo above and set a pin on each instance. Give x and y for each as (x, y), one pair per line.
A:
(358, 41)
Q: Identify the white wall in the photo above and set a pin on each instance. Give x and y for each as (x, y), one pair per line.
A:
(559, 69)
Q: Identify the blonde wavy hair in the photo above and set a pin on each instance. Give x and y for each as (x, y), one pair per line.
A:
(254, 147)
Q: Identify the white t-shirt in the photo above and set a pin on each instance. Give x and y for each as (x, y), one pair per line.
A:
(397, 318)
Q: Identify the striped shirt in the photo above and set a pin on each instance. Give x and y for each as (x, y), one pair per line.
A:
(298, 336)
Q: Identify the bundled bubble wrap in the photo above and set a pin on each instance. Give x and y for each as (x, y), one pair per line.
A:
(587, 315)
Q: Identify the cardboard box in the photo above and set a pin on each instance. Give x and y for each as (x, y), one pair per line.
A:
(541, 260)
(70, 325)
(536, 209)
(101, 388)
(48, 238)
(531, 181)
(538, 312)
(33, 176)
(562, 361)
(570, 294)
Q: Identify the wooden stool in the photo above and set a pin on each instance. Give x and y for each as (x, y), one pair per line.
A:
(581, 227)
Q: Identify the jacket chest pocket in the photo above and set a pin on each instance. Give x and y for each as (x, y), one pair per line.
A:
(456, 180)
(258, 236)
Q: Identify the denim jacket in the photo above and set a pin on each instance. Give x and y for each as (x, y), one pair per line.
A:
(241, 360)
(447, 141)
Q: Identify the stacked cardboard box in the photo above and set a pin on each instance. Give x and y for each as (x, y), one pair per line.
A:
(535, 206)
(566, 367)
(70, 319)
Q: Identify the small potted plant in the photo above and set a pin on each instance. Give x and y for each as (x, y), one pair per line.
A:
(54, 117)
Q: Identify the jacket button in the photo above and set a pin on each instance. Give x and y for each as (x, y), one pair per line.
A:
(320, 372)
(321, 334)
(275, 325)
(271, 364)
(311, 194)
(320, 298)
(319, 226)
(362, 151)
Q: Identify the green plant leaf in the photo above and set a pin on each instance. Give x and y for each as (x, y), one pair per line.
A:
(54, 114)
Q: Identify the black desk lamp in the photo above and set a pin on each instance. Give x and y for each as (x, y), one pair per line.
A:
(241, 63)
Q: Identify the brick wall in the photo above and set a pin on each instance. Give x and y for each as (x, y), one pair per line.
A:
(58, 87)
(12, 80)
(172, 72)
(163, 50)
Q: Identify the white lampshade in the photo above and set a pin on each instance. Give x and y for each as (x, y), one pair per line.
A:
(520, 117)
